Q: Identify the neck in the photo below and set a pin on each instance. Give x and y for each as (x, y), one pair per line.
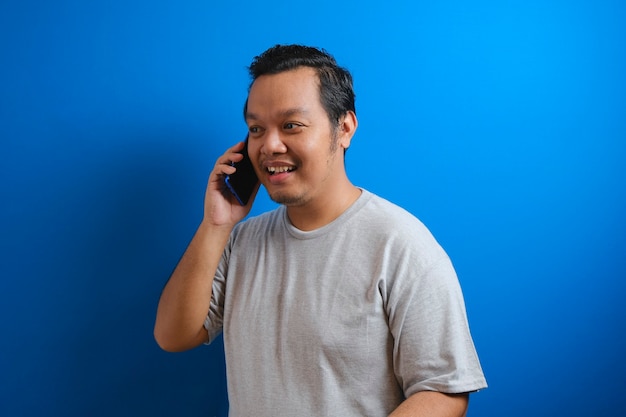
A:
(317, 214)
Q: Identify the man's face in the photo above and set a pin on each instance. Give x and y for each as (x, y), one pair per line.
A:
(291, 141)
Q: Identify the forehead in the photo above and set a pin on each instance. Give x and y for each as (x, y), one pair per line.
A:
(285, 91)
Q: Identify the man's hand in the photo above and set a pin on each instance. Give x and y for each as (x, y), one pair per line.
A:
(221, 208)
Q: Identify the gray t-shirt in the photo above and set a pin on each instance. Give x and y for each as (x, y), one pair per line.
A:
(346, 320)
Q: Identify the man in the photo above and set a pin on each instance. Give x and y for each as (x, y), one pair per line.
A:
(337, 303)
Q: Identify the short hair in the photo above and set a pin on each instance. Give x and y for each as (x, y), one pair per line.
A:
(336, 91)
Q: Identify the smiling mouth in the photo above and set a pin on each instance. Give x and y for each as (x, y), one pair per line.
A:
(279, 170)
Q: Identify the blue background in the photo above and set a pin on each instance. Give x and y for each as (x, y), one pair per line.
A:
(502, 125)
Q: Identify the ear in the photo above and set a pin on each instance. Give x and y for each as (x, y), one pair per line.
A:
(347, 128)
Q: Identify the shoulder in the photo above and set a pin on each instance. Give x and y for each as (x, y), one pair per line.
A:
(389, 217)
(385, 206)
(263, 224)
(399, 229)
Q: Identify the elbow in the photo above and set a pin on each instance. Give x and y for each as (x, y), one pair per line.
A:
(164, 341)
(174, 342)
(167, 346)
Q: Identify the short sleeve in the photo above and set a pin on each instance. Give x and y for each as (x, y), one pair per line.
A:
(433, 348)
(214, 320)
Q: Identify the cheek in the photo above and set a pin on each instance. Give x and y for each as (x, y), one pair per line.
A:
(253, 154)
(254, 148)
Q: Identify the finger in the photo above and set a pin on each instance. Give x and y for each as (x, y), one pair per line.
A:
(232, 155)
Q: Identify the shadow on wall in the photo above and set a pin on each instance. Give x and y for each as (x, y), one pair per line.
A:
(124, 211)
(148, 197)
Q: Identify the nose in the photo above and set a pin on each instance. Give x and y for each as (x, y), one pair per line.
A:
(272, 143)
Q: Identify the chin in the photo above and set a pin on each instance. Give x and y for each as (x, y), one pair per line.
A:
(288, 199)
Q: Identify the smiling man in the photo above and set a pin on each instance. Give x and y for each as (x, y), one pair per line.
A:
(337, 303)
(295, 147)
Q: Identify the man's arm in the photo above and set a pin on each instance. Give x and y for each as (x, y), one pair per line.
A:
(186, 298)
(433, 404)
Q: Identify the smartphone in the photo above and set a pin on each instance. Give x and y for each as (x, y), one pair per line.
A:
(242, 183)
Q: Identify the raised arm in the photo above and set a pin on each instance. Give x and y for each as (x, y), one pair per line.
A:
(186, 297)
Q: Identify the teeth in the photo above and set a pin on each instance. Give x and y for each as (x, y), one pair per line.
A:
(278, 170)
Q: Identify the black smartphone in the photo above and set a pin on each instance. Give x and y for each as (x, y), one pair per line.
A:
(241, 184)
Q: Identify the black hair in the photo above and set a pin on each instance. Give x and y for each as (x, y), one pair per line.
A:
(336, 90)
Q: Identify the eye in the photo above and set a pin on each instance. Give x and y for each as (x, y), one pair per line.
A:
(254, 129)
(291, 126)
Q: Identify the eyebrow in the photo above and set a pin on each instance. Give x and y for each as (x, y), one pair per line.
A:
(284, 113)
